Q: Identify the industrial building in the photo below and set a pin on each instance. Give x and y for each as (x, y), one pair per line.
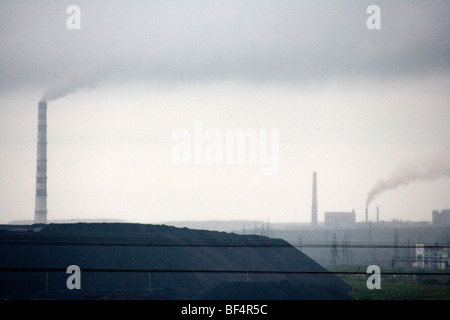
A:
(441, 219)
(340, 220)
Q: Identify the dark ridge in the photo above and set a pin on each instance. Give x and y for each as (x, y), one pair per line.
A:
(158, 262)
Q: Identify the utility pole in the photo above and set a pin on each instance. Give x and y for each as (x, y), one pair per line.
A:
(334, 253)
(408, 254)
(344, 251)
(395, 259)
(348, 244)
(300, 243)
(324, 252)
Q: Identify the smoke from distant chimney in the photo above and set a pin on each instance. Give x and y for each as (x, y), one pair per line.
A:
(74, 82)
(429, 168)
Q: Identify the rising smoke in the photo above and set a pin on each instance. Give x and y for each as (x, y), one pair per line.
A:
(85, 79)
(427, 168)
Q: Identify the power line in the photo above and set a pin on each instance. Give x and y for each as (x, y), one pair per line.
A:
(161, 242)
(32, 269)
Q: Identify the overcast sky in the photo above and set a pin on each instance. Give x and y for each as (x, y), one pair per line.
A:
(353, 104)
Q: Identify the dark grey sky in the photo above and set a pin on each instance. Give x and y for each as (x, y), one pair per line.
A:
(350, 103)
(299, 41)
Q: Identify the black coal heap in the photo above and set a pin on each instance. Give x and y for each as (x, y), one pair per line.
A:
(138, 261)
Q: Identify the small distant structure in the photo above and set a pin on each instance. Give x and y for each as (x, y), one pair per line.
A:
(340, 220)
(440, 219)
(429, 257)
(420, 256)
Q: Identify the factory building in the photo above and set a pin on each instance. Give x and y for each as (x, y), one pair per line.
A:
(441, 219)
(340, 220)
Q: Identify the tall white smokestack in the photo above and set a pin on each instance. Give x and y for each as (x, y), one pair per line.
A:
(314, 202)
(40, 210)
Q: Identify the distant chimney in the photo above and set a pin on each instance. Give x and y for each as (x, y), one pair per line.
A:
(367, 215)
(378, 214)
(314, 201)
(40, 211)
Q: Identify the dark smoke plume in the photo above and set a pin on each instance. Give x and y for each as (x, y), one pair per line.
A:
(428, 168)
